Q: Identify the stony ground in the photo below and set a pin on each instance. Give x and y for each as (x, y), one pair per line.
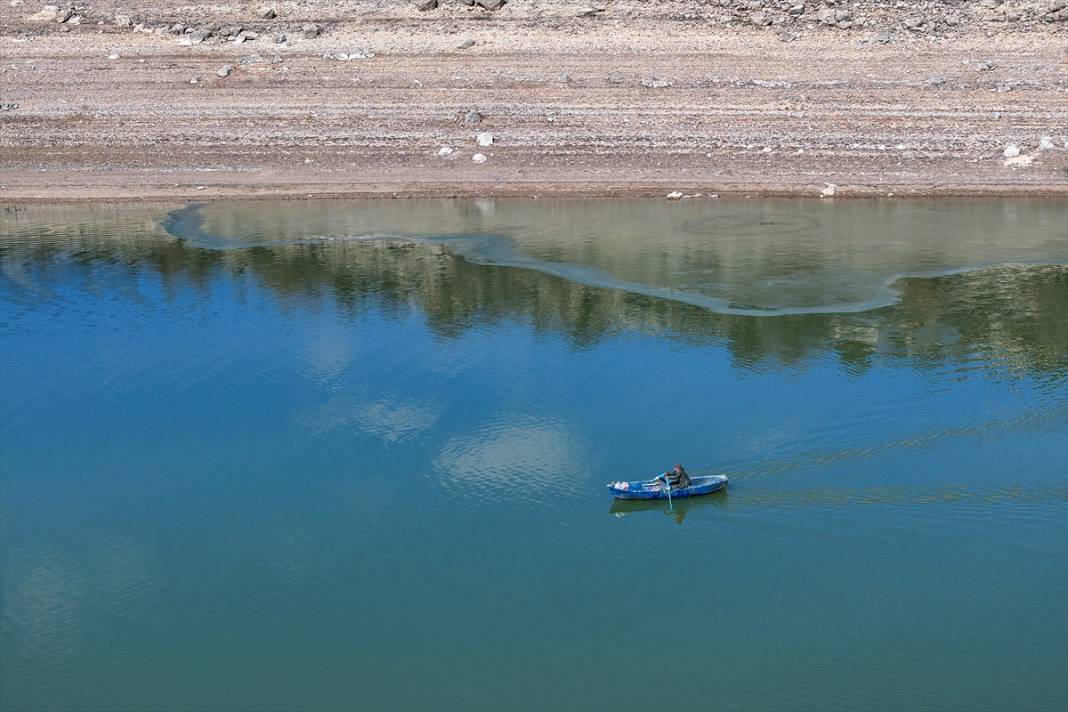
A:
(119, 101)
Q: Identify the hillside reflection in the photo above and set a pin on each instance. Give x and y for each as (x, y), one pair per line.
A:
(1015, 315)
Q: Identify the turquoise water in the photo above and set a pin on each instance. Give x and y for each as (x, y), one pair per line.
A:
(353, 455)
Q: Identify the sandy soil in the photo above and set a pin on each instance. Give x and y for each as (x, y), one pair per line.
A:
(642, 99)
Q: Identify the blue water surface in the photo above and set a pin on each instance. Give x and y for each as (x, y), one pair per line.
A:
(331, 475)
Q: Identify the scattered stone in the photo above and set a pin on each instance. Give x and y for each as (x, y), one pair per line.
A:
(655, 83)
(194, 38)
(444, 152)
(491, 5)
(65, 15)
(589, 11)
(362, 53)
(478, 158)
(1011, 151)
(195, 80)
(224, 71)
(786, 36)
(123, 21)
(268, 13)
(883, 37)
(466, 44)
(280, 38)
(113, 55)
(987, 66)
(829, 190)
(913, 23)
(472, 118)
(674, 195)
(426, 5)
(176, 29)
(311, 31)
(759, 19)
(564, 78)
(484, 138)
(1045, 143)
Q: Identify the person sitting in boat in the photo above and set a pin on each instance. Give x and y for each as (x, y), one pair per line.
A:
(676, 478)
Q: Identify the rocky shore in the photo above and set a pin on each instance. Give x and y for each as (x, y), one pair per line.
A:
(109, 100)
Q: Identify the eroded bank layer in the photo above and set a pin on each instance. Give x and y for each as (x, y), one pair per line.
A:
(117, 101)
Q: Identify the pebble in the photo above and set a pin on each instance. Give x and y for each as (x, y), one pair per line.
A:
(1046, 143)
(113, 55)
(268, 13)
(123, 21)
(466, 44)
(478, 158)
(445, 151)
(311, 31)
(829, 190)
(674, 195)
(224, 71)
(484, 138)
(1011, 151)
(472, 118)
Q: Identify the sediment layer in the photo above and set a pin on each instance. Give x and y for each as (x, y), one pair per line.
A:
(379, 99)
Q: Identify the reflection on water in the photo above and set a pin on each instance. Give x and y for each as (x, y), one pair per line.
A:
(677, 509)
(759, 258)
(1011, 312)
(353, 455)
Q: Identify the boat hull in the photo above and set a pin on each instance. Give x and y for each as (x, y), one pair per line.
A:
(655, 489)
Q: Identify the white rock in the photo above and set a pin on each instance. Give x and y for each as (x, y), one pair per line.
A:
(478, 158)
(113, 56)
(47, 14)
(1011, 151)
(675, 195)
(484, 138)
(829, 190)
(444, 151)
(1045, 143)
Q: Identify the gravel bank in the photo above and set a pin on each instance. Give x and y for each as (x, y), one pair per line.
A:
(536, 98)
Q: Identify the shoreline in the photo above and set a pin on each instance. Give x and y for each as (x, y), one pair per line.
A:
(148, 199)
(636, 103)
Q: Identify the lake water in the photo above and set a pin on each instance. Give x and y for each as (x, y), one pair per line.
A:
(352, 455)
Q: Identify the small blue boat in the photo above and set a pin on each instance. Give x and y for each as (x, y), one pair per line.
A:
(656, 489)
